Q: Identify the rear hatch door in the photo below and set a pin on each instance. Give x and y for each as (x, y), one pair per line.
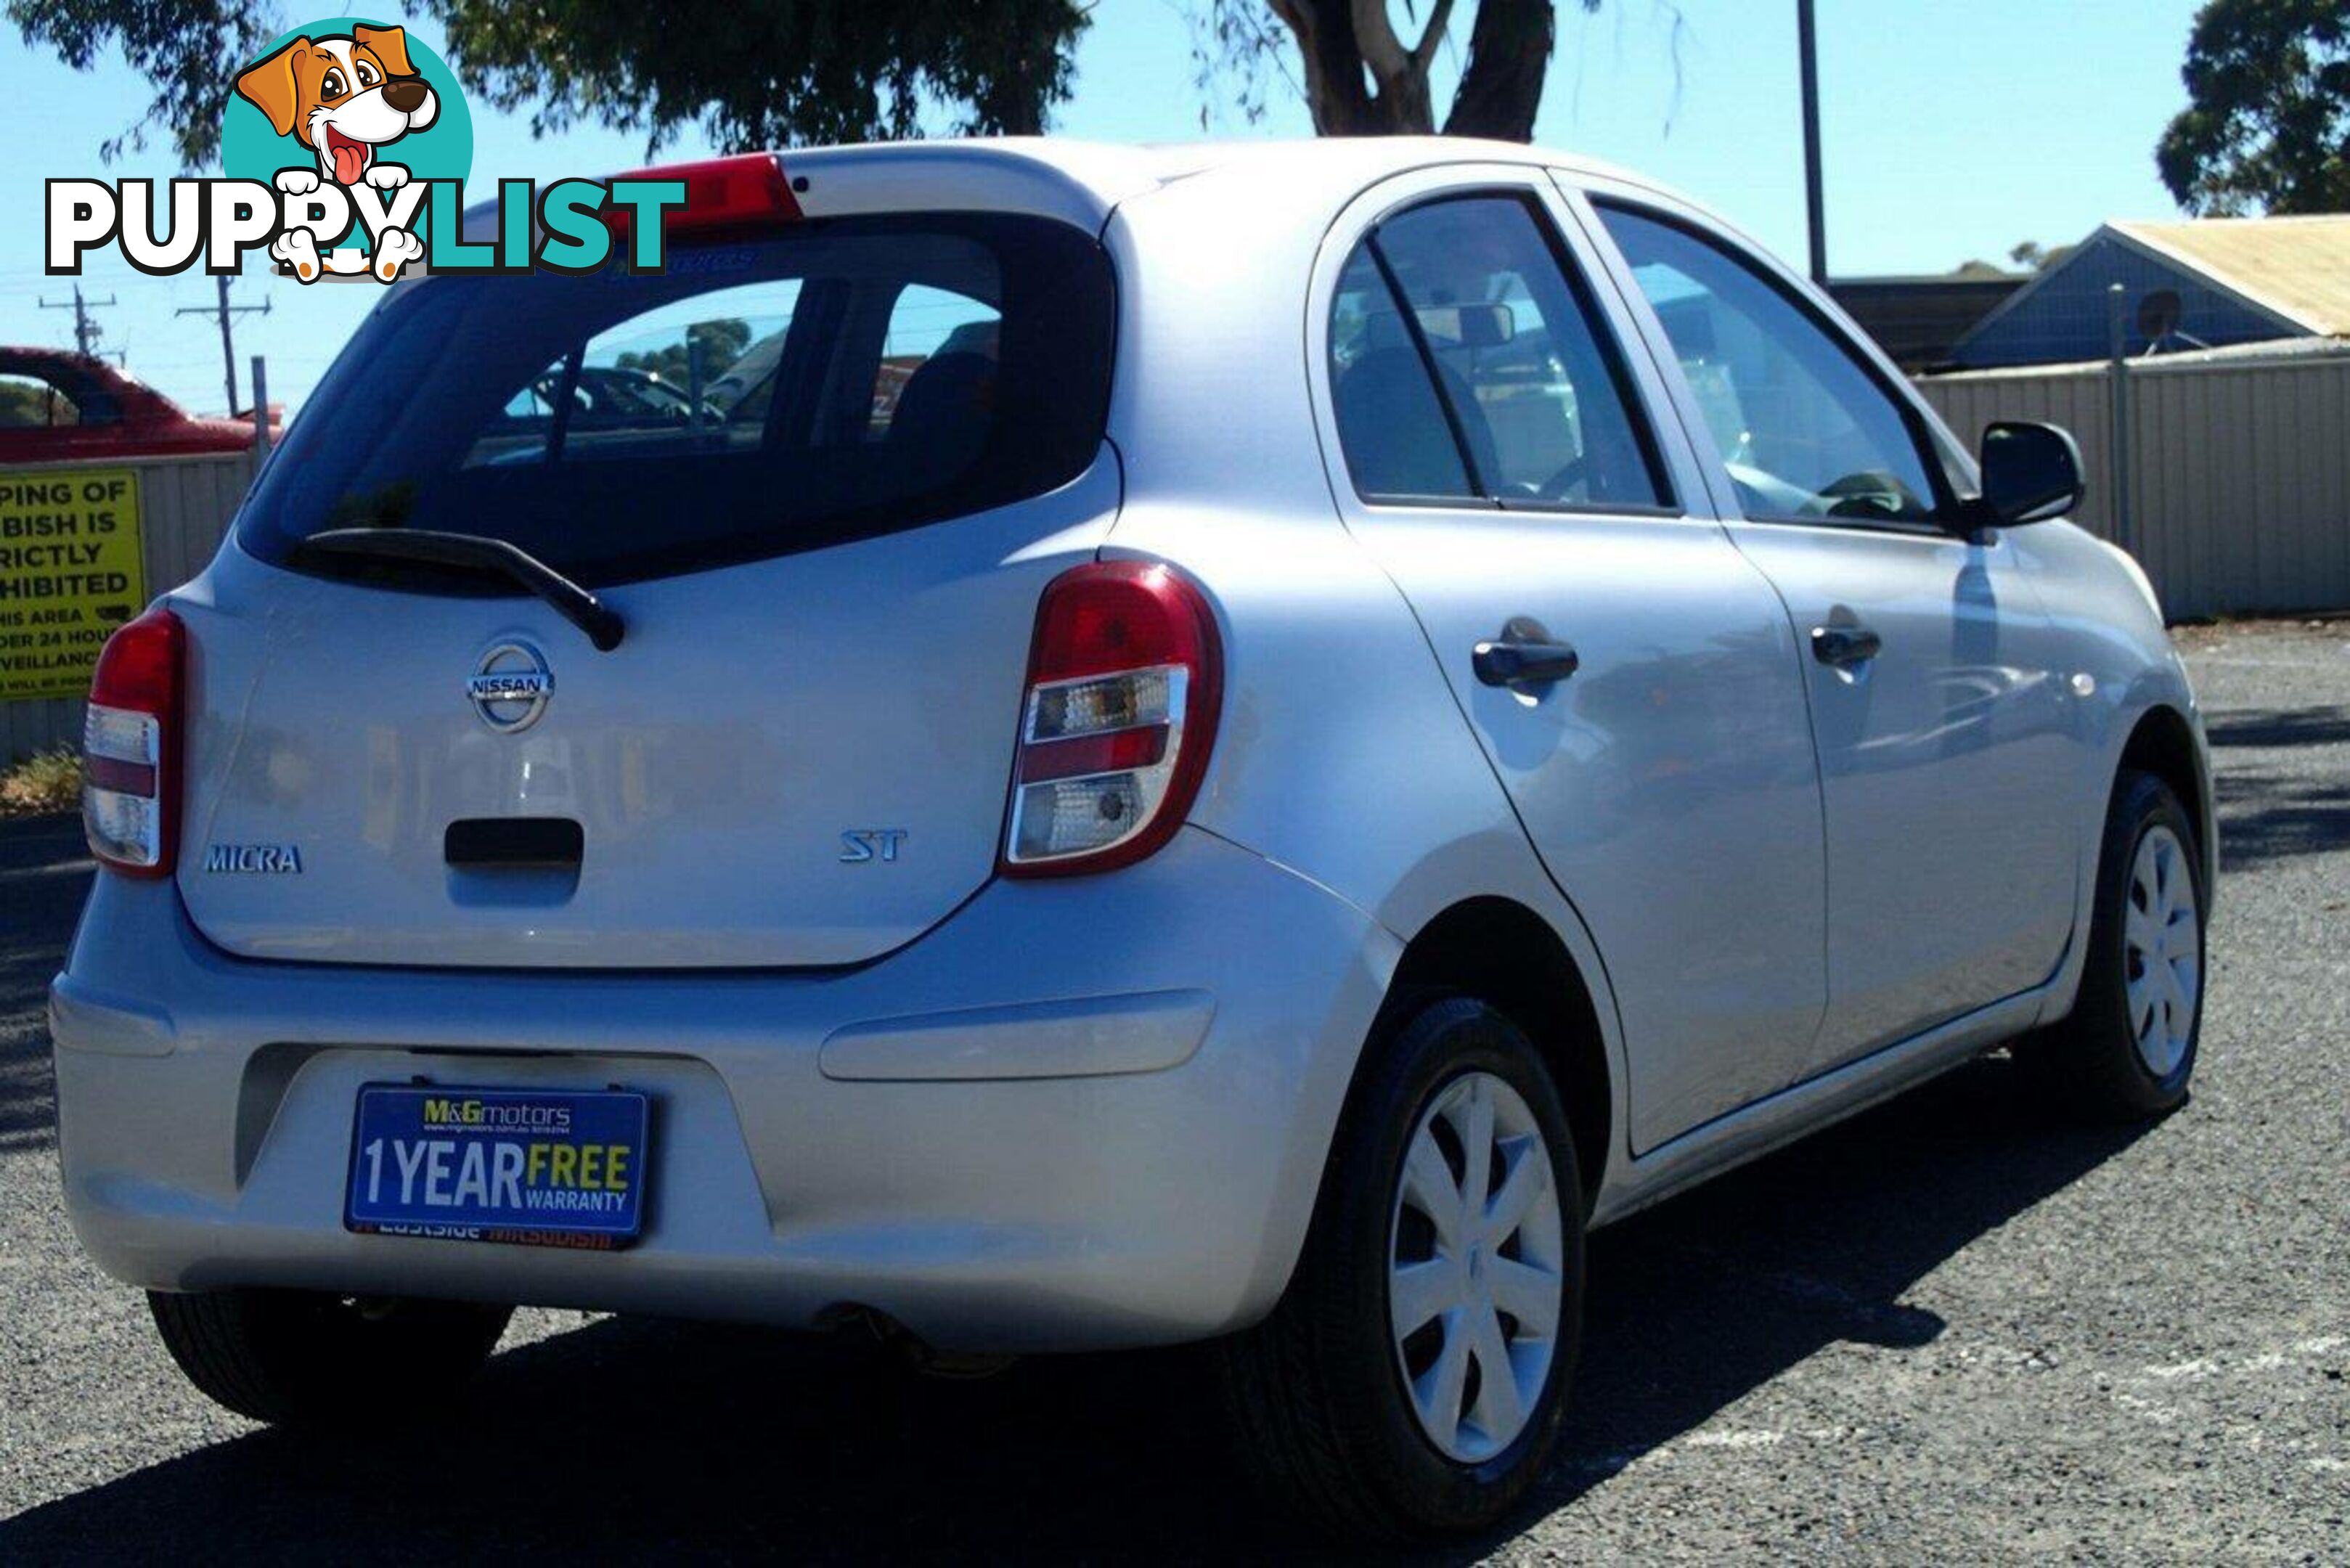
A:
(823, 477)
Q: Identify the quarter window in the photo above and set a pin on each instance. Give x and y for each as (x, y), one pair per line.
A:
(1806, 433)
(1464, 362)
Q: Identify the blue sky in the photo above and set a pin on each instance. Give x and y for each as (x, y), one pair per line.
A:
(1953, 129)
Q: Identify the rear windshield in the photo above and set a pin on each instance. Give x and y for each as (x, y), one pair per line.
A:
(845, 379)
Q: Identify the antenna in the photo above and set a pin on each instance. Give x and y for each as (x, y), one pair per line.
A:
(86, 332)
(226, 312)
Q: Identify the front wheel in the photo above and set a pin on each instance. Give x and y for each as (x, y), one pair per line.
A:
(1413, 1380)
(301, 1357)
(2128, 1047)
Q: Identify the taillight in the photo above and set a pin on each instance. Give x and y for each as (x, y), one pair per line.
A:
(1125, 678)
(723, 193)
(131, 747)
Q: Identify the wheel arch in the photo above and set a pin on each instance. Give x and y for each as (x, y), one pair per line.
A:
(2164, 743)
(1504, 953)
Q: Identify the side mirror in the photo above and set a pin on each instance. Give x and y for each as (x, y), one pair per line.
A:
(2031, 472)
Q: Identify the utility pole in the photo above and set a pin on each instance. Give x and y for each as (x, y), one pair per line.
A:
(226, 312)
(1807, 41)
(85, 333)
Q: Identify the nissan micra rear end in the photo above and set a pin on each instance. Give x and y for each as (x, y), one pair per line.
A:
(884, 774)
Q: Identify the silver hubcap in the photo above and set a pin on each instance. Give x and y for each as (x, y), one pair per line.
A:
(1476, 1269)
(2162, 952)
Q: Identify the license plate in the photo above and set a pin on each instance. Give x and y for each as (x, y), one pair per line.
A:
(539, 1167)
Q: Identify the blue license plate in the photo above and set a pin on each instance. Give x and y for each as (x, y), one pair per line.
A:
(540, 1167)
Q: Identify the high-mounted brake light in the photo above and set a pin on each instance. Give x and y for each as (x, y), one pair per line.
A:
(1125, 680)
(131, 747)
(723, 193)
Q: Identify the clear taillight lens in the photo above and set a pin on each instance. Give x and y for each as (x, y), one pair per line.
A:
(1124, 684)
(131, 747)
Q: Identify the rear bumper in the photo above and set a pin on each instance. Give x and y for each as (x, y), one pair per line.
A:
(1081, 1114)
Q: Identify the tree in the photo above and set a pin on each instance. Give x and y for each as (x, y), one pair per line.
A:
(2033, 256)
(749, 73)
(719, 343)
(769, 73)
(1363, 80)
(2267, 127)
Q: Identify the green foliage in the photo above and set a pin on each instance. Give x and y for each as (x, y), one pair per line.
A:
(47, 781)
(2267, 128)
(769, 73)
(749, 73)
(721, 342)
(2033, 256)
(188, 53)
(27, 404)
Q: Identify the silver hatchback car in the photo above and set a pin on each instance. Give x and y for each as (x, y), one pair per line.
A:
(1049, 747)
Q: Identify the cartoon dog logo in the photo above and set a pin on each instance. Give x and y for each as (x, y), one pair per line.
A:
(343, 98)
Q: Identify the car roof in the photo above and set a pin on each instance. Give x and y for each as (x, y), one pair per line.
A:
(1083, 180)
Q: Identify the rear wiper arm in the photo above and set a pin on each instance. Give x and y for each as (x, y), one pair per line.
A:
(572, 602)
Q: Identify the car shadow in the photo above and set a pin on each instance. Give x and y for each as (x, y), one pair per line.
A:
(629, 1438)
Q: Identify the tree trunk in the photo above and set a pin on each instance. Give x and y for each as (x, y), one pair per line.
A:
(1337, 89)
(1508, 56)
(1362, 80)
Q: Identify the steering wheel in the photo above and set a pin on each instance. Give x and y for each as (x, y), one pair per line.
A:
(1872, 495)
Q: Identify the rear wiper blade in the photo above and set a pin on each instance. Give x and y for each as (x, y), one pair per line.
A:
(572, 602)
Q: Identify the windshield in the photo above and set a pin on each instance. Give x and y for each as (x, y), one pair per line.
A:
(839, 380)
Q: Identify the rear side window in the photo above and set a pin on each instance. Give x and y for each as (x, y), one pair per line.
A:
(841, 380)
(1466, 361)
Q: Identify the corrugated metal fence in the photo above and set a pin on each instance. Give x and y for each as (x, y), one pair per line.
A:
(185, 504)
(2239, 472)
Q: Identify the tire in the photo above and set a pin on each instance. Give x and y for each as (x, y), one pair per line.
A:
(300, 1358)
(2116, 1057)
(1318, 1391)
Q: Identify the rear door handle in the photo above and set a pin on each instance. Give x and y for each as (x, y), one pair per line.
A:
(1524, 659)
(1845, 646)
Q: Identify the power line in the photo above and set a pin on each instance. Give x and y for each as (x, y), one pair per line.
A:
(86, 330)
(226, 312)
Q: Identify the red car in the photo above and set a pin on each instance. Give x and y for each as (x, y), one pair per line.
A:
(55, 405)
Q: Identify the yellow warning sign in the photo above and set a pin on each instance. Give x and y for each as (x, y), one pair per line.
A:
(70, 572)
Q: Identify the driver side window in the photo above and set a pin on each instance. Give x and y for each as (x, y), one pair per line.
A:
(1807, 434)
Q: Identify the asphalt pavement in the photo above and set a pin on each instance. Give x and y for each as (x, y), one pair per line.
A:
(1956, 1329)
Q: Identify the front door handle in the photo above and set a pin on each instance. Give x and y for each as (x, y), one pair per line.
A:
(1845, 646)
(1525, 658)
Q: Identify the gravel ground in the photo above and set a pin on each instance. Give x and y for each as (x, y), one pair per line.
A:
(1955, 1329)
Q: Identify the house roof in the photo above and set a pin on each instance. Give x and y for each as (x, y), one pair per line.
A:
(1918, 321)
(2296, 268)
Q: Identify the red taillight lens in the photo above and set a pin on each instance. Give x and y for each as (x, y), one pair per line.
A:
(1125, 680)
(723, 193)
(131, 747)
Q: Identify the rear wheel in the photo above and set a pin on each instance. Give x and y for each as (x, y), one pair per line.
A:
(2128, 1048)
(299, 1358)
(1414, 1377)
